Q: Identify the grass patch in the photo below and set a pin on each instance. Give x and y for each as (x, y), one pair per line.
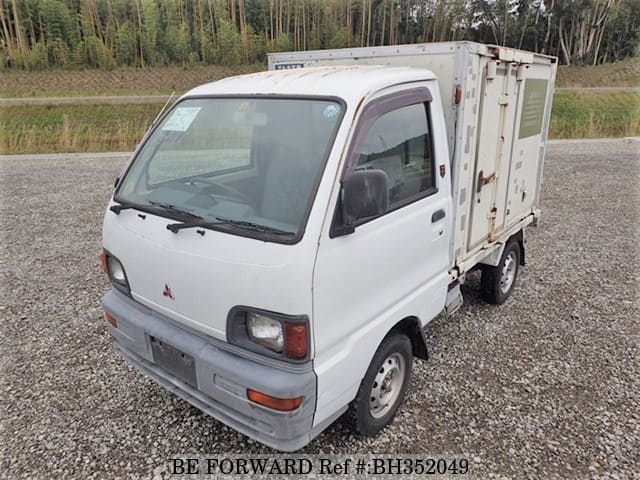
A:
(161, 80)
(583, 115)
(98, 128)
(120, 81)
(73, 128)
(625, 73)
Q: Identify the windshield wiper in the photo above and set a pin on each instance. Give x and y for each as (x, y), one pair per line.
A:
(164, 206)
(119, 207)
(254, 226)
(174, 209)
(175, 227)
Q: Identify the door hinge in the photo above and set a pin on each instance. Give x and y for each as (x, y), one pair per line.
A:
(492, 217)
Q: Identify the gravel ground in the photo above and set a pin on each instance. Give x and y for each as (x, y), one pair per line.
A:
(546, 386)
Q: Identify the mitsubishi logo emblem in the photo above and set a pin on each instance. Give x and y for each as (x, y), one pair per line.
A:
(167, 292)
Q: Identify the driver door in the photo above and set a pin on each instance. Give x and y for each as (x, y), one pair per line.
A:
(396, 264)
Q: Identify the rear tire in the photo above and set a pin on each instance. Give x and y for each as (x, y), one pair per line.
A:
(497, 282)
(383, 387)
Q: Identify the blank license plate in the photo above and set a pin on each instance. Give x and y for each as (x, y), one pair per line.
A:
(174, 361)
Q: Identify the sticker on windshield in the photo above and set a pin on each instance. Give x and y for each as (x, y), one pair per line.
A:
(181, 119)
(331, 111)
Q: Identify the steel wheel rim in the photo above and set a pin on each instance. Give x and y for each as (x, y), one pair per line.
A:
(387, 385)
(508, 273)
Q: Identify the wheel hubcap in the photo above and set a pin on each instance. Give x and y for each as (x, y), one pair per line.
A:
(508, 273)
(387, 385)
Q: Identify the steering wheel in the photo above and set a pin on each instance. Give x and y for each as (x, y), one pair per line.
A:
(228, 193)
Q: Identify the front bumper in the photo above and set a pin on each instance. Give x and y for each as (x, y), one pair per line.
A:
(222, 375)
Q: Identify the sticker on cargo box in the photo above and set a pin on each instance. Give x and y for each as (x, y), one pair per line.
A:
(533, 103)
(289, 66)
(181, 119)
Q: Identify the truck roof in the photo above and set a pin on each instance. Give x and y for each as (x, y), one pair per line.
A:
(350, 83)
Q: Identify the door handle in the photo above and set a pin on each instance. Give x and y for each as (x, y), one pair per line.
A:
(482, 180)
(437, 215)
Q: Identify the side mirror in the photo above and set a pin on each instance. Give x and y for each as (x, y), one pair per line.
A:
(365, 193)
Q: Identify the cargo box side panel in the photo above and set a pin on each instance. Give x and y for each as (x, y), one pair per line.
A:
(454, 64)
(470, 68)
(442, 65)
(496, 134)
(440, 58)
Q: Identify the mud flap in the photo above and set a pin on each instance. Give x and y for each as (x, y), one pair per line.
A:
(454, 299)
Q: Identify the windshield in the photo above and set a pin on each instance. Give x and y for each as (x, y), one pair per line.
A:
(237, 162)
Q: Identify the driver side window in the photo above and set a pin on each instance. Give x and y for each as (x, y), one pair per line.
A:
(399, 143)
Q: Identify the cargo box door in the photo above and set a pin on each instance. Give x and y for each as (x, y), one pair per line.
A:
(529, 138)
(497, 116)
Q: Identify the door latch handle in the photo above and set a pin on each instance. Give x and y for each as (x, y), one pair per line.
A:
(437, 215)
(482, 180)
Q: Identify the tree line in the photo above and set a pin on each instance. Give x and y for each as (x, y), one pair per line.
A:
(38, 34)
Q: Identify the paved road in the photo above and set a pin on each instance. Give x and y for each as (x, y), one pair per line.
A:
(546, 386)
(129, 99)
(598, 90)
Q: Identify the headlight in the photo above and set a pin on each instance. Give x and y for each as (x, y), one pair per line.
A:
(269, 333)
(265, 331)
(115, 271)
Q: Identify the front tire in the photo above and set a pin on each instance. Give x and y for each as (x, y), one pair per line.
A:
(497, 282)
(383, 387)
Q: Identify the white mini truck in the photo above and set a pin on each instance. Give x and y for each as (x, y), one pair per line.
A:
(280, 240)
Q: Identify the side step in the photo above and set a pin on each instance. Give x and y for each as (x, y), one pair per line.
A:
(454, 299)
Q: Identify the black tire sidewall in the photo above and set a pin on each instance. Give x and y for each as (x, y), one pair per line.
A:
(364, 422)
(491, 276)
(511, 247)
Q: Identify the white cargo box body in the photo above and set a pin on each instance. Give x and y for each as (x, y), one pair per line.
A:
(497, 130)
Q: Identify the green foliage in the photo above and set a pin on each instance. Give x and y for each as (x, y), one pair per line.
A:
(108, 33)
(228, 45)
(340, 39)
(622, 39)
(177, 44)
(126, 44)
(58, 53)
(282, 44)
(37, 57)
(149, 38)
(59, 22)
(255, 46)
(91, 52)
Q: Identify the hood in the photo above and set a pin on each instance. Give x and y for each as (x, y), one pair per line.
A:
(197, 279)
